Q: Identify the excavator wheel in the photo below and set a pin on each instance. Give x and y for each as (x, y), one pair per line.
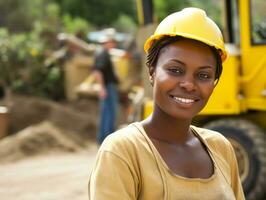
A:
(249, 143)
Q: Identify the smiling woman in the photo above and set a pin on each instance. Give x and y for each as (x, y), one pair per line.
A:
(183, 85)
(164, 156)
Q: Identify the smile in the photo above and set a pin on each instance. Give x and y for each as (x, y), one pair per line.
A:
(183, 100)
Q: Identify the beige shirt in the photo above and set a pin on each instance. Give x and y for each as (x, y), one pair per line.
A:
(128, 166)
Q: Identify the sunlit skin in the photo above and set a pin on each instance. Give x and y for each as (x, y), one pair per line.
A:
(183, 80)
(186, 70)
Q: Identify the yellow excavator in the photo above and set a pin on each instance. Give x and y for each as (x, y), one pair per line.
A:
(240, 113)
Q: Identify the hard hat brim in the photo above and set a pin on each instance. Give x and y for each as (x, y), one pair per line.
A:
(150, 40)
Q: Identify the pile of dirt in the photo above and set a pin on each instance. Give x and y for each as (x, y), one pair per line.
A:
(43, 138)
(79, 118)
(41, 126)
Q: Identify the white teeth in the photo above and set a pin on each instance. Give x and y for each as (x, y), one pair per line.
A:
(184, 100)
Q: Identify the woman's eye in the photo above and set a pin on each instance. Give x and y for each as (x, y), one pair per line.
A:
(204, 76)
(175, 71)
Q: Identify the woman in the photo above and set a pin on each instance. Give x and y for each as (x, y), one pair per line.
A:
(164, 156)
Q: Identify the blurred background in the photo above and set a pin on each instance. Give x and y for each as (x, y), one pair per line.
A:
(49, 109)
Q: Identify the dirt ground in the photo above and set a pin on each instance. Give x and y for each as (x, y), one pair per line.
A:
(50, 150)
(48, 177)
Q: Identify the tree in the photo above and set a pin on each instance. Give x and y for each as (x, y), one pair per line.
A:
(165, 7)
(19, 16)
(23, 53)
(99, 13)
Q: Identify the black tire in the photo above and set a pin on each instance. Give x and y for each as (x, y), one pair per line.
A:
(250, 147)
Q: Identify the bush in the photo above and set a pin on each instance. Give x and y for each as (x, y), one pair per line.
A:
(22, 59)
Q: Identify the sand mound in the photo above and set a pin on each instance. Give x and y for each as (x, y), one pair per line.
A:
(38, 139)
(80, 117)
(41, 126)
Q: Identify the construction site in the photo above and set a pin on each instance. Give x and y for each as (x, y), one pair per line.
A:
(48, 135)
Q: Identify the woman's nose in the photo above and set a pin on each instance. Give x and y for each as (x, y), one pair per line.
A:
(187, 85)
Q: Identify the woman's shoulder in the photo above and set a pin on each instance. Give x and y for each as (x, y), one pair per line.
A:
(124, 139)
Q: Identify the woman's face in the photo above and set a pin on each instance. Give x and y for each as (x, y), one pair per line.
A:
(183, 78)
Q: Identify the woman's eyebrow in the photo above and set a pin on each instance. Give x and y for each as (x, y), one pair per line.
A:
(206, 67)
(184, 64)
(177, 61)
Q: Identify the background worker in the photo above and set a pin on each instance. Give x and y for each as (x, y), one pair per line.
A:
(105, 76)
(164, 157)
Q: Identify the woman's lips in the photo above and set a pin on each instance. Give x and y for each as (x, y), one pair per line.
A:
(183, 100)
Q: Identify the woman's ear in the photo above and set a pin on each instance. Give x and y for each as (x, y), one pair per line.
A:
(151, 70)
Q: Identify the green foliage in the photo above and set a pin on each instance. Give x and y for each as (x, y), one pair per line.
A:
(22, 57)
(75, 25)
(125, 24)
(22, 68)
(19, 16)
(99, 13)
(166, 7)
(13, 20)
(25, 44)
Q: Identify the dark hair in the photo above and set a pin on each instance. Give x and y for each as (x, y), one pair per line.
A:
(158, 45)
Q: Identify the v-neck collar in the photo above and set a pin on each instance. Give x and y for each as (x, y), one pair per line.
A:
(159, 158)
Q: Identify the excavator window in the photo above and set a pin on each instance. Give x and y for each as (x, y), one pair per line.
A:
(258, 21)
(231, 31)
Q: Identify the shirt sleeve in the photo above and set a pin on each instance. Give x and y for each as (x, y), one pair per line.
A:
(111, 178)
(235, 179)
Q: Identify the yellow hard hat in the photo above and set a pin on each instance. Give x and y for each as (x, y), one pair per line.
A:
(192, 23)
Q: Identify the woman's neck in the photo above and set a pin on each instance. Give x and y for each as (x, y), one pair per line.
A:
(167, 128)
